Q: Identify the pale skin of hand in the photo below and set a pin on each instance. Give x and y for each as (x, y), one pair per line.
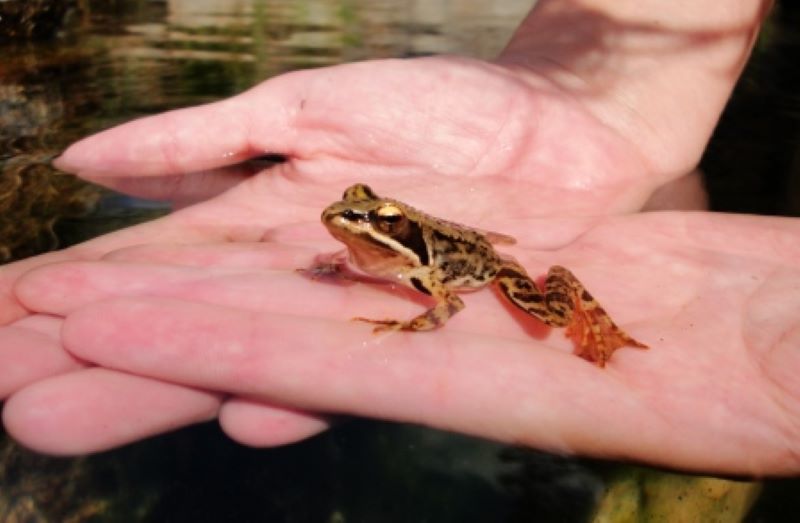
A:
(574, 161)
(716, 391)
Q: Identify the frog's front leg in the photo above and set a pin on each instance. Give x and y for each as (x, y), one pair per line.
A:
(328, 266)
(447, 304)
(566, 303)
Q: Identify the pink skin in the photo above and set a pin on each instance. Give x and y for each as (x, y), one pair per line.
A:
(722, 331)
(205, 302)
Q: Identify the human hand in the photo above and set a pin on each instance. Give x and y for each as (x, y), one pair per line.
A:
(416, 129)
(713, 295)
(600, 167)
(435, 125)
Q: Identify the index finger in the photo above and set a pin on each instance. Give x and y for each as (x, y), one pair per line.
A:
(193, 139)
(163, 230)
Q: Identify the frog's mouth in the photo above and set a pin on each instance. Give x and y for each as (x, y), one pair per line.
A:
(354, 238)
(369, 251)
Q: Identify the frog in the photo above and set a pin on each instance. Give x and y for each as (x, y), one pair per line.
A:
(389, 240)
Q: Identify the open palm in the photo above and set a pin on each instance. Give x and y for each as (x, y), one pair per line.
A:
(452, 125)
(451, 136)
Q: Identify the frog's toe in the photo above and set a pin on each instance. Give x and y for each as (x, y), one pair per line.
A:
(382, 325)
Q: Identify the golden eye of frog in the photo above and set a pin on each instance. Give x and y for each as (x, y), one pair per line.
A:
(390, 240)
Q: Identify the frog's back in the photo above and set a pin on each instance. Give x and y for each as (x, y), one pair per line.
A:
(464, 257)
(469, 232)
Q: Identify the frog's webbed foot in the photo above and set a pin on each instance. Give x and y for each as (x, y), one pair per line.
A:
(566, 303)
(595, 333)
(590, 327)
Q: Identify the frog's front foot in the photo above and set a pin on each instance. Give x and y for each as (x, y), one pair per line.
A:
(330, 268)
(321, 271)
(426, 321)
(384, 325)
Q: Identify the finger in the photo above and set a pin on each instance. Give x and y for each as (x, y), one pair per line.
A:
(194, 139)
(261, 280)
(454, 381)
(43, 323)
(30, 351)
(60, 289)
(63, 288)
(177, 228)
(98, 409)
(162, 230)
(259, 424)
(265, 256)
(506, 390)
(185, 189)
(30, 354)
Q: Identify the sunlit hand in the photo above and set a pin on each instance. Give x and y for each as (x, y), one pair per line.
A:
(460, 137)
(489, 144)
(714, 296)
(488, 134)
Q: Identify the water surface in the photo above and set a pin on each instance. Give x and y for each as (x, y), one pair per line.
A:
(114, 61)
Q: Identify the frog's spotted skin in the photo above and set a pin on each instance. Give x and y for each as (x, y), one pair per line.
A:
(391, 240)
(566, 303)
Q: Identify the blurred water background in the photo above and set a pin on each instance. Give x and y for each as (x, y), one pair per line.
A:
(70, 68)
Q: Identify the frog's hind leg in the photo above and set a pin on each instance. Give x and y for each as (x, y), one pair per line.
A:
(566, 303)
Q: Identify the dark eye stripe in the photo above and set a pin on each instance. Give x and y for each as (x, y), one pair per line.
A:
(351, 216)
(415, 240)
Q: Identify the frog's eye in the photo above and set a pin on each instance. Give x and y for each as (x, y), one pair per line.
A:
(389, 218)
(389, 213)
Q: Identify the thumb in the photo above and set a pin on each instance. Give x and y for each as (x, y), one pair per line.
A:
(193, 139)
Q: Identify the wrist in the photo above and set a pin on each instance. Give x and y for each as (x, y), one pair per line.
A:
(658, 73)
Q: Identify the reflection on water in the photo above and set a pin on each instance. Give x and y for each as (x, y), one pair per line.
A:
(114, 61)
(318, 33)
(187, 51)
(33, 197)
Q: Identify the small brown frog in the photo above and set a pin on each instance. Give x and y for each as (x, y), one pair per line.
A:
(393, 241)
